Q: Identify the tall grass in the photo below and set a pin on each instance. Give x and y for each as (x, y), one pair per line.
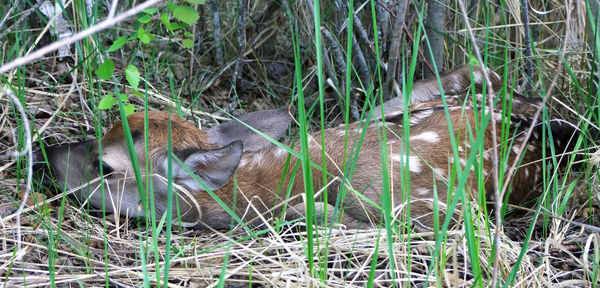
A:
(457, 254)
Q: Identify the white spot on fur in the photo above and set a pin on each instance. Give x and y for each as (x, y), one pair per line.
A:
(487, 155)
(440, 172)
(414, 163)
(526, 172)
(463, 163)
(280, 152)
(538, 172)
(243, 162)
(497, 115)
(515, 149)
(477, 77)
(257, 159)
(428, 136)
(341, 132)
(531, 147)
(423, 191)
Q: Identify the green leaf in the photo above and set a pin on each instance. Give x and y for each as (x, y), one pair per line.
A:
(144, 19)
(186, 14)
(187, 43)
(143, 36)
(566, 197)
(133, 76)
(137, 93)
(176, 26)
(188, 34)
(123, 97)
(473, 60)
(171, 7)
(164, 18)
(117, 44)
(150, 10)
(194, 2)
(129, 109)
(106, 69)
(107, 102)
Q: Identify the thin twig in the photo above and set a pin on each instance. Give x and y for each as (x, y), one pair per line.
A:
(536, 116)
(411, 40)
(528, 52)
(113, 8)
(26, 151)
(337, 50)
(363, 68)
(238, 69)
(394, 55)
(360, 31)
(490, 91)
(338, 56)
(21, 19)
(383, 16)
(76, 37)
(326, 61)
(8, 13)
(217, 32)
(435, 25)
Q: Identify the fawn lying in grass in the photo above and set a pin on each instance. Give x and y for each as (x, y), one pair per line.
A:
(236, 163)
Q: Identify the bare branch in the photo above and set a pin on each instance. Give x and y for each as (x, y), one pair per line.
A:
(217, 32)
(27, 151)
(23, 17)
(394, 51)
(528, 52)
(435, 25)
(109, 22)
(237, 70)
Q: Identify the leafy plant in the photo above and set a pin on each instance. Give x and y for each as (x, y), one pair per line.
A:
(184, 16)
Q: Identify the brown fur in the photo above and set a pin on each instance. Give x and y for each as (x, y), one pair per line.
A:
(258, 180)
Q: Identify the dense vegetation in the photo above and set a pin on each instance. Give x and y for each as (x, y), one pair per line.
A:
(332, 62)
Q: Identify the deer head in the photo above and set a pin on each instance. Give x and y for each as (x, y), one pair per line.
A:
(245, 171)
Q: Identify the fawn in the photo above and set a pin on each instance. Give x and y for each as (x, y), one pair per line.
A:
(236, 163)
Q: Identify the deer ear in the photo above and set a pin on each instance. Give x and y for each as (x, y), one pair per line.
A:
(273, 123)
(213, 167)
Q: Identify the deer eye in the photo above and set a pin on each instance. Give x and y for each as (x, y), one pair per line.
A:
(106, 169)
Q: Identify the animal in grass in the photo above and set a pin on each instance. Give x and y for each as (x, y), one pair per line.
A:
(252, 176)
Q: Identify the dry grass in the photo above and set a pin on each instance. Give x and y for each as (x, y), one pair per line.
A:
(274, 259)
(562, 252)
